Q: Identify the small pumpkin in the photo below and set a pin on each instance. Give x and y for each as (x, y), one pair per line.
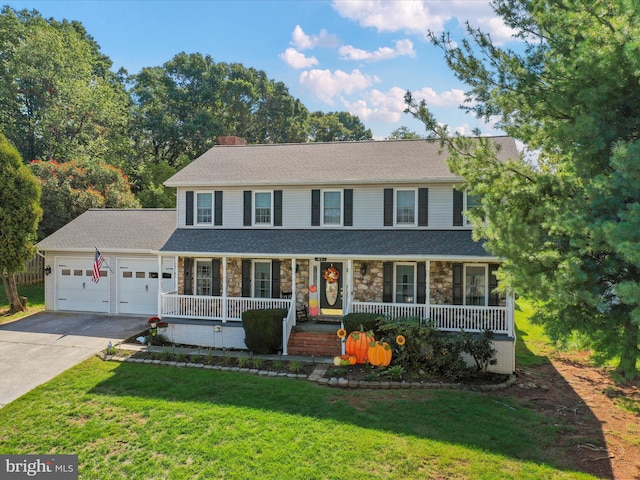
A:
(342, 360)
(358, 344)
(379, 354)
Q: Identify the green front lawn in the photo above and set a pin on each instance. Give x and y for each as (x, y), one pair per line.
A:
(35, 301)
(139, 421)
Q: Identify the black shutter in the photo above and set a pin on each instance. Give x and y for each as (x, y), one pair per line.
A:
(247, 208)
(457, 284)
(423, 207)
(315, 207)
(422, 283)
(275, 279)
(348, 207)
(277, 208)
(217, 219)
(388, 207)
(216, 286)
(246, 278)
(387, 282)
(494, 297)
(189, 208)
(187, 275)
(457, 207)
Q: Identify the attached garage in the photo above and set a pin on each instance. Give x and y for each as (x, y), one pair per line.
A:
(75, 290)
(130, 278)
(138, 281)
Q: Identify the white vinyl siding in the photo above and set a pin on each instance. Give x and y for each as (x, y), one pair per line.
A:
(368, 205)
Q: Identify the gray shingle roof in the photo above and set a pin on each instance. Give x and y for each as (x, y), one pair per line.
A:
(395, 161)
(326, 243)
(138, 230)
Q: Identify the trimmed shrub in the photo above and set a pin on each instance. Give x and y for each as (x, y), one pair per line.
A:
(263, 330)
(367, 321)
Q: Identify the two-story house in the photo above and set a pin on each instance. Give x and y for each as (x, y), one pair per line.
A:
(329, 227)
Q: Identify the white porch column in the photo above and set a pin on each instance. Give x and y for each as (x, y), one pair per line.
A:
(159, 286)
(510, 314)
(224, 289)
(427, 294)
(346, 298)
(294, 296)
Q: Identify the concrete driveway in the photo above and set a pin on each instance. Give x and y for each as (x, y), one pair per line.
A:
(35, 349)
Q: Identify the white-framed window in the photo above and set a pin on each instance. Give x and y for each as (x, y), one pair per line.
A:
(263, 208)
(204, 208)
(204, 277)
(404, 284)
(405, 207)
(262, 279)
(470, 202)
(476, 284)
(332, 207)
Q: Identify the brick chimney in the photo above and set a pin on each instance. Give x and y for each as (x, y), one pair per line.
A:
(231, 140)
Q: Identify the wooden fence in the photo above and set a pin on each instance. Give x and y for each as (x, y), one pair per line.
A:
(34, 272)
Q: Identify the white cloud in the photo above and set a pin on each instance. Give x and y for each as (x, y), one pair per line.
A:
(402, 48)
(326, 85)
(378, 106)
(385, 16)
(419, 16)
(449, 98)
(295, 59)
(302, 41)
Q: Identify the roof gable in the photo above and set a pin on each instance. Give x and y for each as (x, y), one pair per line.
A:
(391, 161)
(140, 230)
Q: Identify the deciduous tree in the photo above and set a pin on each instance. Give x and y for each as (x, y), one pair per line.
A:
(71, 188)
(567, 224)
(58, 98)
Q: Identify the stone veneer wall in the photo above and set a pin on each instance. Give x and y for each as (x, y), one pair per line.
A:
(234, 278)
(368, 288)
(441, 283)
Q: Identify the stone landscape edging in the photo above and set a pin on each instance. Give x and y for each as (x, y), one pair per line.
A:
(317, 376)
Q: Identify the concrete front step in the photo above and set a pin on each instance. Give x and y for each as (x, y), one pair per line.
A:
(322, 344)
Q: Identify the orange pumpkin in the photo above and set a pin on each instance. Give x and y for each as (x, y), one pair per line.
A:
(379, 354)
(358, 344)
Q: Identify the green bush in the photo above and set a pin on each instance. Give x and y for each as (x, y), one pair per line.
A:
(367, 321)
(263, 330)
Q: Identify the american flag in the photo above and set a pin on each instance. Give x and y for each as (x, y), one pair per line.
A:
(97, 263)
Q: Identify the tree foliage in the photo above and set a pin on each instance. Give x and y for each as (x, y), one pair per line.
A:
(403, 133)
(567, 224)
(337, 127)
(184, 105)
(58, 97)
(19, 215)
(71, 188)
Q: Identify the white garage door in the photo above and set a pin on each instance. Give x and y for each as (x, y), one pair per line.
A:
(75, 290)
(138, 285)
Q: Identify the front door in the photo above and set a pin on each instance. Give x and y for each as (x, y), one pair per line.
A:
(331, 281)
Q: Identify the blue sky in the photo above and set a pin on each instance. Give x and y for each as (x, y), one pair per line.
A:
(358, 56)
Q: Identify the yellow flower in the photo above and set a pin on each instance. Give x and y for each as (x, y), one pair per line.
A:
(342, 333)
(400, 340)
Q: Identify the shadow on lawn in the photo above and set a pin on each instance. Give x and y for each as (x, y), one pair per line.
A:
(560, 401)
(469, 419)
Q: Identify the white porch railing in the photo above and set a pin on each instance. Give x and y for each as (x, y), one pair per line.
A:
(287, 326)
(215, 308)
(392, 310)
(444, 317)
